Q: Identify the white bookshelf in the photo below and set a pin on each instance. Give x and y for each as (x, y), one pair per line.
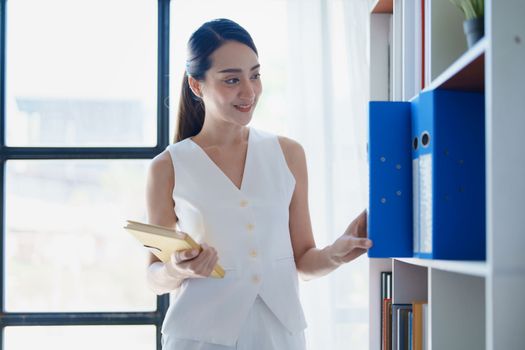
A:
(471, 304)
(466, 73)
(381, 6)
(473, 268)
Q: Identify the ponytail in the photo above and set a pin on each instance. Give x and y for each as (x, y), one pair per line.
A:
(191, 113)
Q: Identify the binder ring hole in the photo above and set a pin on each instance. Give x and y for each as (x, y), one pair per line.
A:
(425, 139)
(415, 143)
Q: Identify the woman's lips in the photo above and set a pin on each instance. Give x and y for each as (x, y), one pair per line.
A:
(243, 108)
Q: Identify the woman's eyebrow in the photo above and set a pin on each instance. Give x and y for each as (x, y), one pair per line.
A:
(237, 70)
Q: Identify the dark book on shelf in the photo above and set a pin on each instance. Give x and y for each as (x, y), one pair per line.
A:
(395, 325)
(387, 324)
(403, 333)
(386, 284)
(410, 329)
(386, 293)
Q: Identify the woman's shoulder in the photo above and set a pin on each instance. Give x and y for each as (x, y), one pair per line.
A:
(176, 150)
(287, 144)
(293, 151)
(162, 159)
(161, 165)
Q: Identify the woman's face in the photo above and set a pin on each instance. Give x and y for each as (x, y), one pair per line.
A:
(232, 86)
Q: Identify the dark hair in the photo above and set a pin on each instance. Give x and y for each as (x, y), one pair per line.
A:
(202, 43)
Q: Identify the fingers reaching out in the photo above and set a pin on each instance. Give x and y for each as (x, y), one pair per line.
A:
(362, 224)
(358, 227)
(363, 243)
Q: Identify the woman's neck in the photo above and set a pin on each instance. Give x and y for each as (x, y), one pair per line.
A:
(222, 134)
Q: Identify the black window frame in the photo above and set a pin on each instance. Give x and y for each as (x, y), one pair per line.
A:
(32, 153)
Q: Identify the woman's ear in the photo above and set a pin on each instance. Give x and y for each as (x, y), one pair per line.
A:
(195, 86)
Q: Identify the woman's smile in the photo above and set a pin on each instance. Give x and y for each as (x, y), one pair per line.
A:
(244, 107)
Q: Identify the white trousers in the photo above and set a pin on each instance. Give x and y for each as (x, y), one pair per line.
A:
(261, 331)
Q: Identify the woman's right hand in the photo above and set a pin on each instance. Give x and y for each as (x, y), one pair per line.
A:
(192, 264)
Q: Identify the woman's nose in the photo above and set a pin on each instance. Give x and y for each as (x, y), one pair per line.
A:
(247, 91)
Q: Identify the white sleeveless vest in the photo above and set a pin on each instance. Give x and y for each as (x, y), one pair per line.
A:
(250, 230)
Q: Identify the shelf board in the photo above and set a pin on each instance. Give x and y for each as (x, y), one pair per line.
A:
(382, 6)
(473, 268)
(466, 73)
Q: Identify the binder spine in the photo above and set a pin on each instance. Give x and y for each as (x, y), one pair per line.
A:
(390, 206)
(449, 175)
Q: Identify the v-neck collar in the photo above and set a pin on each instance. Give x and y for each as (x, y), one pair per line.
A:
(220, 171)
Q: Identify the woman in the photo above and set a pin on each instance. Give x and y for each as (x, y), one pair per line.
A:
(242, 193)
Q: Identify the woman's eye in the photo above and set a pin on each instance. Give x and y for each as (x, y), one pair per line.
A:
(233, 81)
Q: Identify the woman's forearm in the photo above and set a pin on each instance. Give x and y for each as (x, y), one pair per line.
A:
(316, 263)
(160, 281)
(349, 246)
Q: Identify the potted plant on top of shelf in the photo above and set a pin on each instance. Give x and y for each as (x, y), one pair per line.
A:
(474, 22)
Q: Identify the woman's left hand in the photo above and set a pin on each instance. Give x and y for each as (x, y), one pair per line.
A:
(353, 242)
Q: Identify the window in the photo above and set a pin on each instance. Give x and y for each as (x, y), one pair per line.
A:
(81, 73)
(80, 118)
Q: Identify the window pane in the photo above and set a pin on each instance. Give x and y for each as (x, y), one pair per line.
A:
(271, 42)
(81, 73)
(66, 249)
(81, 338)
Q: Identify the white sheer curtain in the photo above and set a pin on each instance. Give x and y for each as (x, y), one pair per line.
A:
(327, 100)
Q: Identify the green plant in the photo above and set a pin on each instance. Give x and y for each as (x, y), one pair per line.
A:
(471, 8)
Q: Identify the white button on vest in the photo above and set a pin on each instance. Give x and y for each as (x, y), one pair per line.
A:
(212, 209)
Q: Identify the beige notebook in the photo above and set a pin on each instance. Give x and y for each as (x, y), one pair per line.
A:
(163, 241)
